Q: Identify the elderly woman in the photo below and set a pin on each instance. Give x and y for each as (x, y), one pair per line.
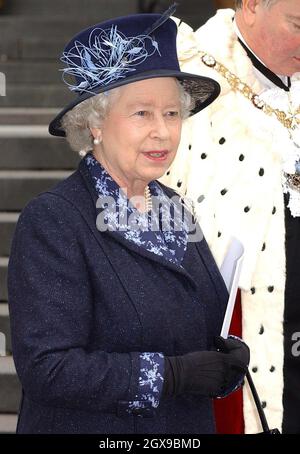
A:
(114, 296)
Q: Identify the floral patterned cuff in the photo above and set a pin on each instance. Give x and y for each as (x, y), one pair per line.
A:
(151, 380)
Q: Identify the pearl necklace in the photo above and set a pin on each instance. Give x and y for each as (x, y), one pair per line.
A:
(148, 198)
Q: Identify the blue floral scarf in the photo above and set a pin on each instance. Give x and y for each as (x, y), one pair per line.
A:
(162, 231)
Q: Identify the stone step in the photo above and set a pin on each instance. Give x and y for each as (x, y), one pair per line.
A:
(23, 132)
(8, 423)
(26, 116)
(18, 187)
(32, 72)
(195, 20)
(51, 46)
(31, 48)
(5, 330)
(41, 95)
(61, 26)
(3, 279)
(70, 7)
(15, 28)
(183, 7)
(18, 27)
(33, 152)
(10, 387)
(193, 12)
(7, 227)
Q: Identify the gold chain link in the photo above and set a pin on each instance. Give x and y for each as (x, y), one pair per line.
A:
(289, 121)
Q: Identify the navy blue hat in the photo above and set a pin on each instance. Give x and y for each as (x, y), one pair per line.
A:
(125, 50)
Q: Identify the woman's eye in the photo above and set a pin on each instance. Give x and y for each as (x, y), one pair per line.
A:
(141, 113)
(173, 113)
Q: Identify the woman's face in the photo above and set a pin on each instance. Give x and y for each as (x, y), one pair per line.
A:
(141, 132)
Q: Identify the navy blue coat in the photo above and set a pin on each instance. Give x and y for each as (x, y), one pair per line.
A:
(84, 304)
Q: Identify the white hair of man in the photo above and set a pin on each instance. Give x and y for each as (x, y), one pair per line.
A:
(239, 3)
(89, 114)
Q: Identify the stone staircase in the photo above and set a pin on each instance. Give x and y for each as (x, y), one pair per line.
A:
(32, 35)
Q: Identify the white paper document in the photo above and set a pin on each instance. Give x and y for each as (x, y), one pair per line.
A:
(230, 271)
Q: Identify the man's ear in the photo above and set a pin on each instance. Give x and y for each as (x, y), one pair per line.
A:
(249, 10)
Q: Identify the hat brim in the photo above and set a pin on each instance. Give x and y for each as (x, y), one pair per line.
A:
(203, 91)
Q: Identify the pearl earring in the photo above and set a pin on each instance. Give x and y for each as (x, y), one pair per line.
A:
(97, 141)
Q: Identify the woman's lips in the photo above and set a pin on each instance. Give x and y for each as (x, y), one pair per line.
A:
(156, 155)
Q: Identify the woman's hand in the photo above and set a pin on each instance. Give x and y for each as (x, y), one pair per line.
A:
(207, 373)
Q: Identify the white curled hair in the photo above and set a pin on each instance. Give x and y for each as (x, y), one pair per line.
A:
(239, 3)
(91, 112)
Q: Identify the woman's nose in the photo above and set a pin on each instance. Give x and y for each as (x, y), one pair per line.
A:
(159, 128)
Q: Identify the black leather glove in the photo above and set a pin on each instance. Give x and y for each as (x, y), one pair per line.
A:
(207, 373)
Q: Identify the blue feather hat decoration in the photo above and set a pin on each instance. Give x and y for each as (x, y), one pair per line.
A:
(126, 50)
(108, 56)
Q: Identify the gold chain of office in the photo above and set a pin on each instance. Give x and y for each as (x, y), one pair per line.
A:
(289, 121)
